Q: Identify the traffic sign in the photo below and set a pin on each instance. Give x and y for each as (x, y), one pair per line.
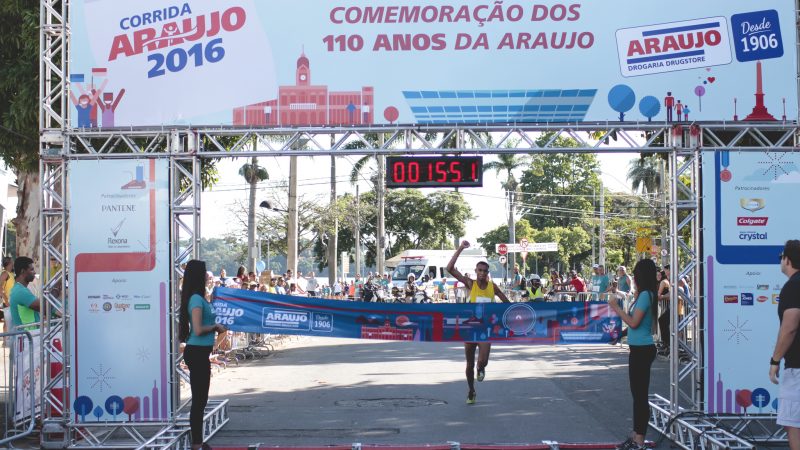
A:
(503, 259)
(643, 244)
(523, 243)
(531, 247)
(524, 255)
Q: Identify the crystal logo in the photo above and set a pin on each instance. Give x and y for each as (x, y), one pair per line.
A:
(752, 236)
(762, 298)
(752, 204)
(752, 221)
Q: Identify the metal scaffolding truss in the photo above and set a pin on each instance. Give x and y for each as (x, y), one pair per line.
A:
(187, 147)
(594, 137)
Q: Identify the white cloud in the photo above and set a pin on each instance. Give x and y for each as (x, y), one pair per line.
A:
(791, 177)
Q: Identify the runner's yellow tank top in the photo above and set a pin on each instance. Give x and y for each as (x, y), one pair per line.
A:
(478, 295)
(8, 285)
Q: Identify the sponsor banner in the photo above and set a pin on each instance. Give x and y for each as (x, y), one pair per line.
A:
(534, 323)
(119, 238)
(153, 63)
(746, 222)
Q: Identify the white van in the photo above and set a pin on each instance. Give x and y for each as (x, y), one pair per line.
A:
(434, 264)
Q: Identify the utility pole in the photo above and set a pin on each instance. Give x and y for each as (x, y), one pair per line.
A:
(381, 240)
(602, 244)
(251, 212)
(333, 241)
(291, 257)
(357, 233)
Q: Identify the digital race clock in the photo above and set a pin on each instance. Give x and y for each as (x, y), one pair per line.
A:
(434, 171)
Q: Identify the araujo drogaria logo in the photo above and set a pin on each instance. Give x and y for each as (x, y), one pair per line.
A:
(672, 46)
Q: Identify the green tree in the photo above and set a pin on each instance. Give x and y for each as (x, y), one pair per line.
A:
(645, 173)
(508, 163)
(19, 99)
(253, 174)
(573, 244)
(414, 220)
(558, 188)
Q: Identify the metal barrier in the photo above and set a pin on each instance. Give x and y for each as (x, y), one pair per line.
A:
(18, 384)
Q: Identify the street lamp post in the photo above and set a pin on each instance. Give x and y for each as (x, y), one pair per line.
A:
(267, 205)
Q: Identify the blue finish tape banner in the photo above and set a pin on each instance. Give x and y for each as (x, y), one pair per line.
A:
(291, 63)
(533, 323)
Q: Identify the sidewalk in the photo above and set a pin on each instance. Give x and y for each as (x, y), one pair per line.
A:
(317, 391)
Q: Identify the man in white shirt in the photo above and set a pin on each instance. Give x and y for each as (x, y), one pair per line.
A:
(312, 285)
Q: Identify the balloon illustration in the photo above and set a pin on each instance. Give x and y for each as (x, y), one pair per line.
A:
(700, 91)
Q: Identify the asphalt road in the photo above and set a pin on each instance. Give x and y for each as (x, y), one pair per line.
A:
(315, 391)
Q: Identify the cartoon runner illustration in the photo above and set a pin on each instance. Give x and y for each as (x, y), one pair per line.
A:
(84, 104)
(109, 106)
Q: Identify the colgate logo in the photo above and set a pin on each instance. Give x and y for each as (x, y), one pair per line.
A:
(752, 221)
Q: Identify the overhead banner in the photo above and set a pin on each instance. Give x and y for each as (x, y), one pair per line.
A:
(317, 63)
(533, 323)
(745, 225)
(119, 275)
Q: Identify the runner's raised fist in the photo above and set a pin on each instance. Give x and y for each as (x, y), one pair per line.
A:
(464, 244)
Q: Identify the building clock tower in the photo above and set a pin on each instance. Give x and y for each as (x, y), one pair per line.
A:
(303, 75)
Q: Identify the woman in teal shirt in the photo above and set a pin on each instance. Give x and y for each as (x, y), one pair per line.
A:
(197, 327)
(641, 321)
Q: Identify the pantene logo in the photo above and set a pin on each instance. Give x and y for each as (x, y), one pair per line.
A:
(751, 221)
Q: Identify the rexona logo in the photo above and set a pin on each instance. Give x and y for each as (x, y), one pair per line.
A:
(287, 319)
(752, 221)
(672, 46)
(752, 236)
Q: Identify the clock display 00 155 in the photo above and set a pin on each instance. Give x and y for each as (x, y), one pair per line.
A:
(434, 171)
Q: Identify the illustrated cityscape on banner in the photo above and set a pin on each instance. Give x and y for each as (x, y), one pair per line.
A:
(746, 223)
(119, 250)
(315, 63)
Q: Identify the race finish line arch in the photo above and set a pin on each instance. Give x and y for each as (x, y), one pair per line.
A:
(148, 96)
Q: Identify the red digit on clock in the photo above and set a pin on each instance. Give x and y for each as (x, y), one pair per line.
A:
(442, 174)
(454, 169)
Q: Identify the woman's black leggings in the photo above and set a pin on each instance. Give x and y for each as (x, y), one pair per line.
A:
(639, 362)
(196, 358)
(663, 326)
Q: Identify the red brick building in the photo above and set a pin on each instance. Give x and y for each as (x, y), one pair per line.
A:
(306, 104)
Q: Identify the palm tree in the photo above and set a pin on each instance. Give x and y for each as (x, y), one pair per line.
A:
(252, 173)
(507, 163)
(645, 173)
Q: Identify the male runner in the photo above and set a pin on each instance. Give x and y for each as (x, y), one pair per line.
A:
(481, 290)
